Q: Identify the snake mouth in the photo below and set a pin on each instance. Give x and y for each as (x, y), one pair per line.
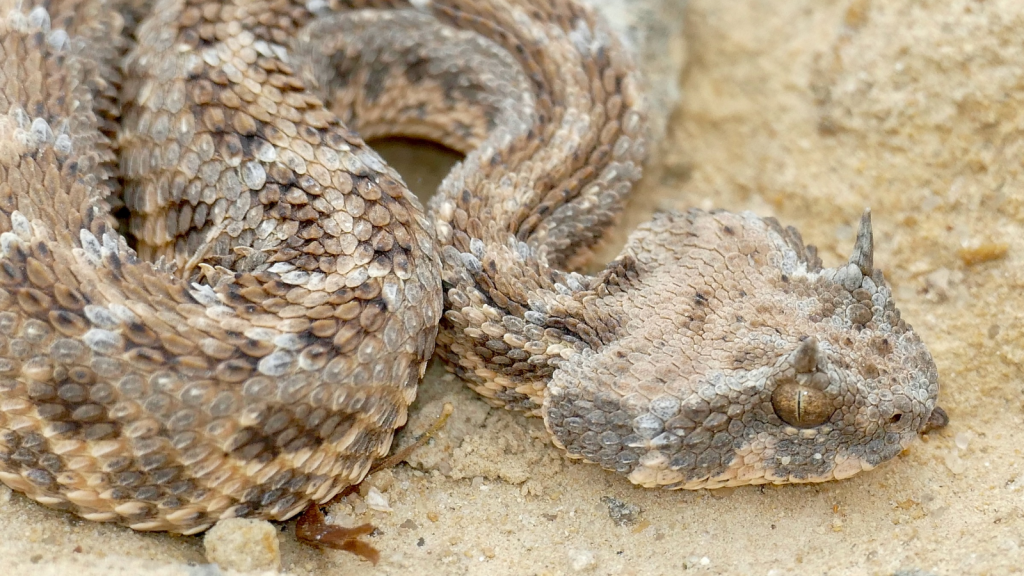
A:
(936, 420)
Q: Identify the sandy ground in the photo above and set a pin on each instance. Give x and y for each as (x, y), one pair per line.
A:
(808, 110)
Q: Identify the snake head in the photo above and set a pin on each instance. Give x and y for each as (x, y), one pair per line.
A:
(738, 359)
(869, 382)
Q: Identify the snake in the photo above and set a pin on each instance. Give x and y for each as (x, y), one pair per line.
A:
(247, 341)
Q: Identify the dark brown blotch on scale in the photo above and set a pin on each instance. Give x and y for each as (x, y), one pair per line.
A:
(291, 429)
(68, 323)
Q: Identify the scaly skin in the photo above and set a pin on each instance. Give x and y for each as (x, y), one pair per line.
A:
(258, 350)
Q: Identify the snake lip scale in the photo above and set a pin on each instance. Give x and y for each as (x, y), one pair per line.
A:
(259, 343)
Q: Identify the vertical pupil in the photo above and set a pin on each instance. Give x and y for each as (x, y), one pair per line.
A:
(801, 395)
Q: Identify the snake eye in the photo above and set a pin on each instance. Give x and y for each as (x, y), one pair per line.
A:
(801, 406)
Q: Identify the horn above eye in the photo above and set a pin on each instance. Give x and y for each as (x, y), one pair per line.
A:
(864, 247)
(805, 359)
(801, 406)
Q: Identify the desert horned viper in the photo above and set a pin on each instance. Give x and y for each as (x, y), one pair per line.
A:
(256, 348)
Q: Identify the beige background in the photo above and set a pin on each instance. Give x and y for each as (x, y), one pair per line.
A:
(808, 110)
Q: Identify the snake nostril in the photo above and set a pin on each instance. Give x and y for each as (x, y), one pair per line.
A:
(896, 418)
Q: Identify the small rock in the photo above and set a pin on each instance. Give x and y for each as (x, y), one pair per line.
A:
(582, 560)
(622, 513)
(377, 501)
(382, 480)
(243, 545)
(955, 464)
(358, 504)
(962, 440)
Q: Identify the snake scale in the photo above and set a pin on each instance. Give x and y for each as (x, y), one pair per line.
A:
(255, 347)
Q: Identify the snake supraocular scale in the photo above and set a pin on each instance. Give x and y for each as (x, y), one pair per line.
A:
(259, 350)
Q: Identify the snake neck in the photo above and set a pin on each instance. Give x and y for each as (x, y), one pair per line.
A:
(548, 116)
(556, 145)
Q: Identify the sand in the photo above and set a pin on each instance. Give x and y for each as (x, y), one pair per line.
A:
(807, 110)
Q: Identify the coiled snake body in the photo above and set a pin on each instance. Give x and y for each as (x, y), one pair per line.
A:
(258, 347)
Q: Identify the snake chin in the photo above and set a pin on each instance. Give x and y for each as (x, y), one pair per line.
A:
(761, 367)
